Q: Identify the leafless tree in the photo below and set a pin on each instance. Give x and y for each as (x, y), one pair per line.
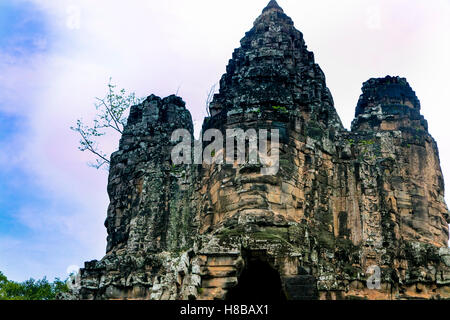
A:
(209, 98)
(111, 116)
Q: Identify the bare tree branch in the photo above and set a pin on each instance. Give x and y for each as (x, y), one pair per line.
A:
(93, 150)
(111, 115)
(108, 124)
(210, 97)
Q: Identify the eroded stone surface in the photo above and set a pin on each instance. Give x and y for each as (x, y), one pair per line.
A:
(342, 201)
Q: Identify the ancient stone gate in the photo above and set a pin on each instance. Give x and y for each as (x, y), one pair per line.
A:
(342, 202)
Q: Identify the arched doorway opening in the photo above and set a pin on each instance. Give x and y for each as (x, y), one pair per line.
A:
(258, 281)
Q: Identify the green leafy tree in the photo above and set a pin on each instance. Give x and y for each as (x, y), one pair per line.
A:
(31, 289)
(112, 111)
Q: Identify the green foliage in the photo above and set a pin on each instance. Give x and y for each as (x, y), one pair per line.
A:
(362, 142)
(367, 142)
(366, 147)
(31, 289)
(111, 117)
(176, 169)
(256, 110)
(280, 108)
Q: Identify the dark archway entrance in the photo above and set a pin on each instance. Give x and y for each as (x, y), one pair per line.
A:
(258, 281)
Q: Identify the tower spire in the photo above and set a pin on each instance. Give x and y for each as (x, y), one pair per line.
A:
(273, 5)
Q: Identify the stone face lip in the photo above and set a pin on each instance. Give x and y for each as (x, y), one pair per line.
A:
(343, 205)
(273, 5)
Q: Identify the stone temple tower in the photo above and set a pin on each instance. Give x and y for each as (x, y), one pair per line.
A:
(349, 214)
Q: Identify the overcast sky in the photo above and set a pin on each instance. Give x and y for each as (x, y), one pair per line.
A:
(57, 56)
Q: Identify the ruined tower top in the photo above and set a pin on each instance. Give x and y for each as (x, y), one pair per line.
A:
(387, 91)
(272, 6)
(388, 103)
(273, 67)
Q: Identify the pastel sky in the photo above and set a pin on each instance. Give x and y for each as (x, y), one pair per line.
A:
(57, 56)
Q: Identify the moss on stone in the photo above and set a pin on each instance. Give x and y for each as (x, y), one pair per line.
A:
(227, 234)
(274, 234)
(280, 109)
(326, 240)
(314, 131)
